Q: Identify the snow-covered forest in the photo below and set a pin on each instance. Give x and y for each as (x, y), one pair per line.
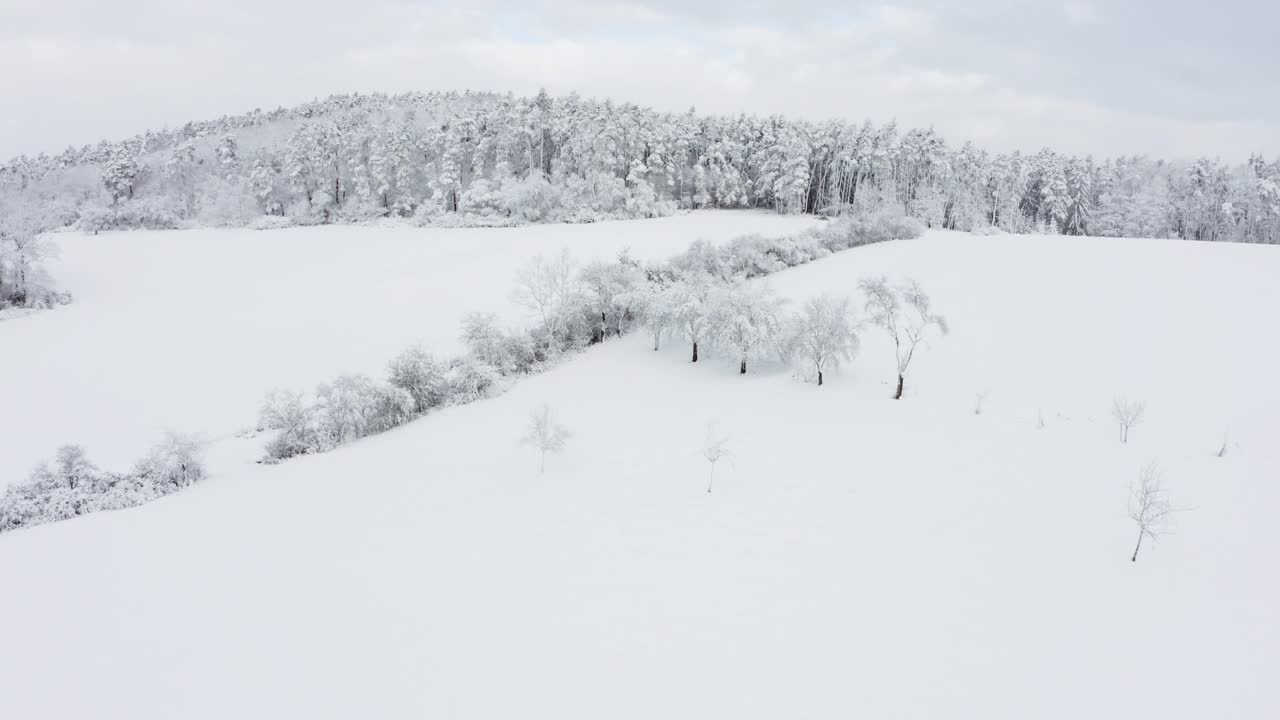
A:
(484, 158)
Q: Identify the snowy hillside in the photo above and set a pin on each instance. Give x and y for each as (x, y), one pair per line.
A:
(858, 557)
(187, 330)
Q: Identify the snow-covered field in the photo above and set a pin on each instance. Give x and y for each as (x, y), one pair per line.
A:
(859, 557)
(187, 330)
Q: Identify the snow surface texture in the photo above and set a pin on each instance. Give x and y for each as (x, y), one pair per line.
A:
(187, 330)
(859, 557)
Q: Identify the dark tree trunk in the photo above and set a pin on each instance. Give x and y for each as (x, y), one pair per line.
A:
(898, 395)
(695, 352)
(742, 369)
(1136, 548)
(819, 378)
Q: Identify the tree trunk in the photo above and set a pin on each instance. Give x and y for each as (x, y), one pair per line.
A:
(655, 342)
(695, 351)
(819, 378)
(1136, 548)
(742, 369)
(898, 395)
(711, 480)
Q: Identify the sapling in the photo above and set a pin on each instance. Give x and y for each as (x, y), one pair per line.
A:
(545, 434)
(1127, 413)
(978, 400)
(714, 450)
(1148, 506)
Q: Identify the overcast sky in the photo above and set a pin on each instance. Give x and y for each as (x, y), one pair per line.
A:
(1168, 78)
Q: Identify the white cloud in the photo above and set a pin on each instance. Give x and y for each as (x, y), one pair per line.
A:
(1080, 12)
(87, 71)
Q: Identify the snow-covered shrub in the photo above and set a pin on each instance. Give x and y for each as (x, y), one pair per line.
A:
(391, 407)
(986, 230)
(507, 352)
(347, 408)
(173, 463)
(294, 419)
(416, 372)
(72, 485)
(272, 222)
(145, 213)
(531, 199)
(855, 230)
(753, 256)
(471, 379)
(95, 217)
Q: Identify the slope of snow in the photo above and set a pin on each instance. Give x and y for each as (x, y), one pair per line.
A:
(859, 557)
(187, 330)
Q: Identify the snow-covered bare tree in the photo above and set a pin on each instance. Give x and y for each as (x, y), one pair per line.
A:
(547, 286)
(824, 333)
(176, 461)
(906, 314)
(689, 301)
(1127, 413)
(544, 434)
(746, 318)
(1148, 506)
(715, 448)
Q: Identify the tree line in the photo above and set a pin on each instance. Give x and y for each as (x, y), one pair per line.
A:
(484, 158)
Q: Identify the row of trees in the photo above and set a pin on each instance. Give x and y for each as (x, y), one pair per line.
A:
(72, 485)
(701, 294)
(488, 158)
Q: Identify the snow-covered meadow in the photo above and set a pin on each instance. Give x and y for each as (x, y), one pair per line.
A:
(186, 330)
(859, 556)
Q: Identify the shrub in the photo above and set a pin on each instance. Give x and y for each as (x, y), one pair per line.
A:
(471, 379)
(416, 372)
(72, 485)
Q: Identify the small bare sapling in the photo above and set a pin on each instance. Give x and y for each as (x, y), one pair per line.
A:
(1127, 413)
(1148, 506)
(715, 449)
(1222, 450)
(978, 401)
(545, 434)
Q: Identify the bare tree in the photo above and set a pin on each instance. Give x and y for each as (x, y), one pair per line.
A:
(715, 449)
(1148, 506)
(546, 286)
(689, 297)
(746, 318)
(1127, 413)
(906, 314)
(825, 334)
(978, 400)
(545, 434)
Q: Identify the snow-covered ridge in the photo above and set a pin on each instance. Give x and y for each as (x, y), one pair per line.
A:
(451, 159)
